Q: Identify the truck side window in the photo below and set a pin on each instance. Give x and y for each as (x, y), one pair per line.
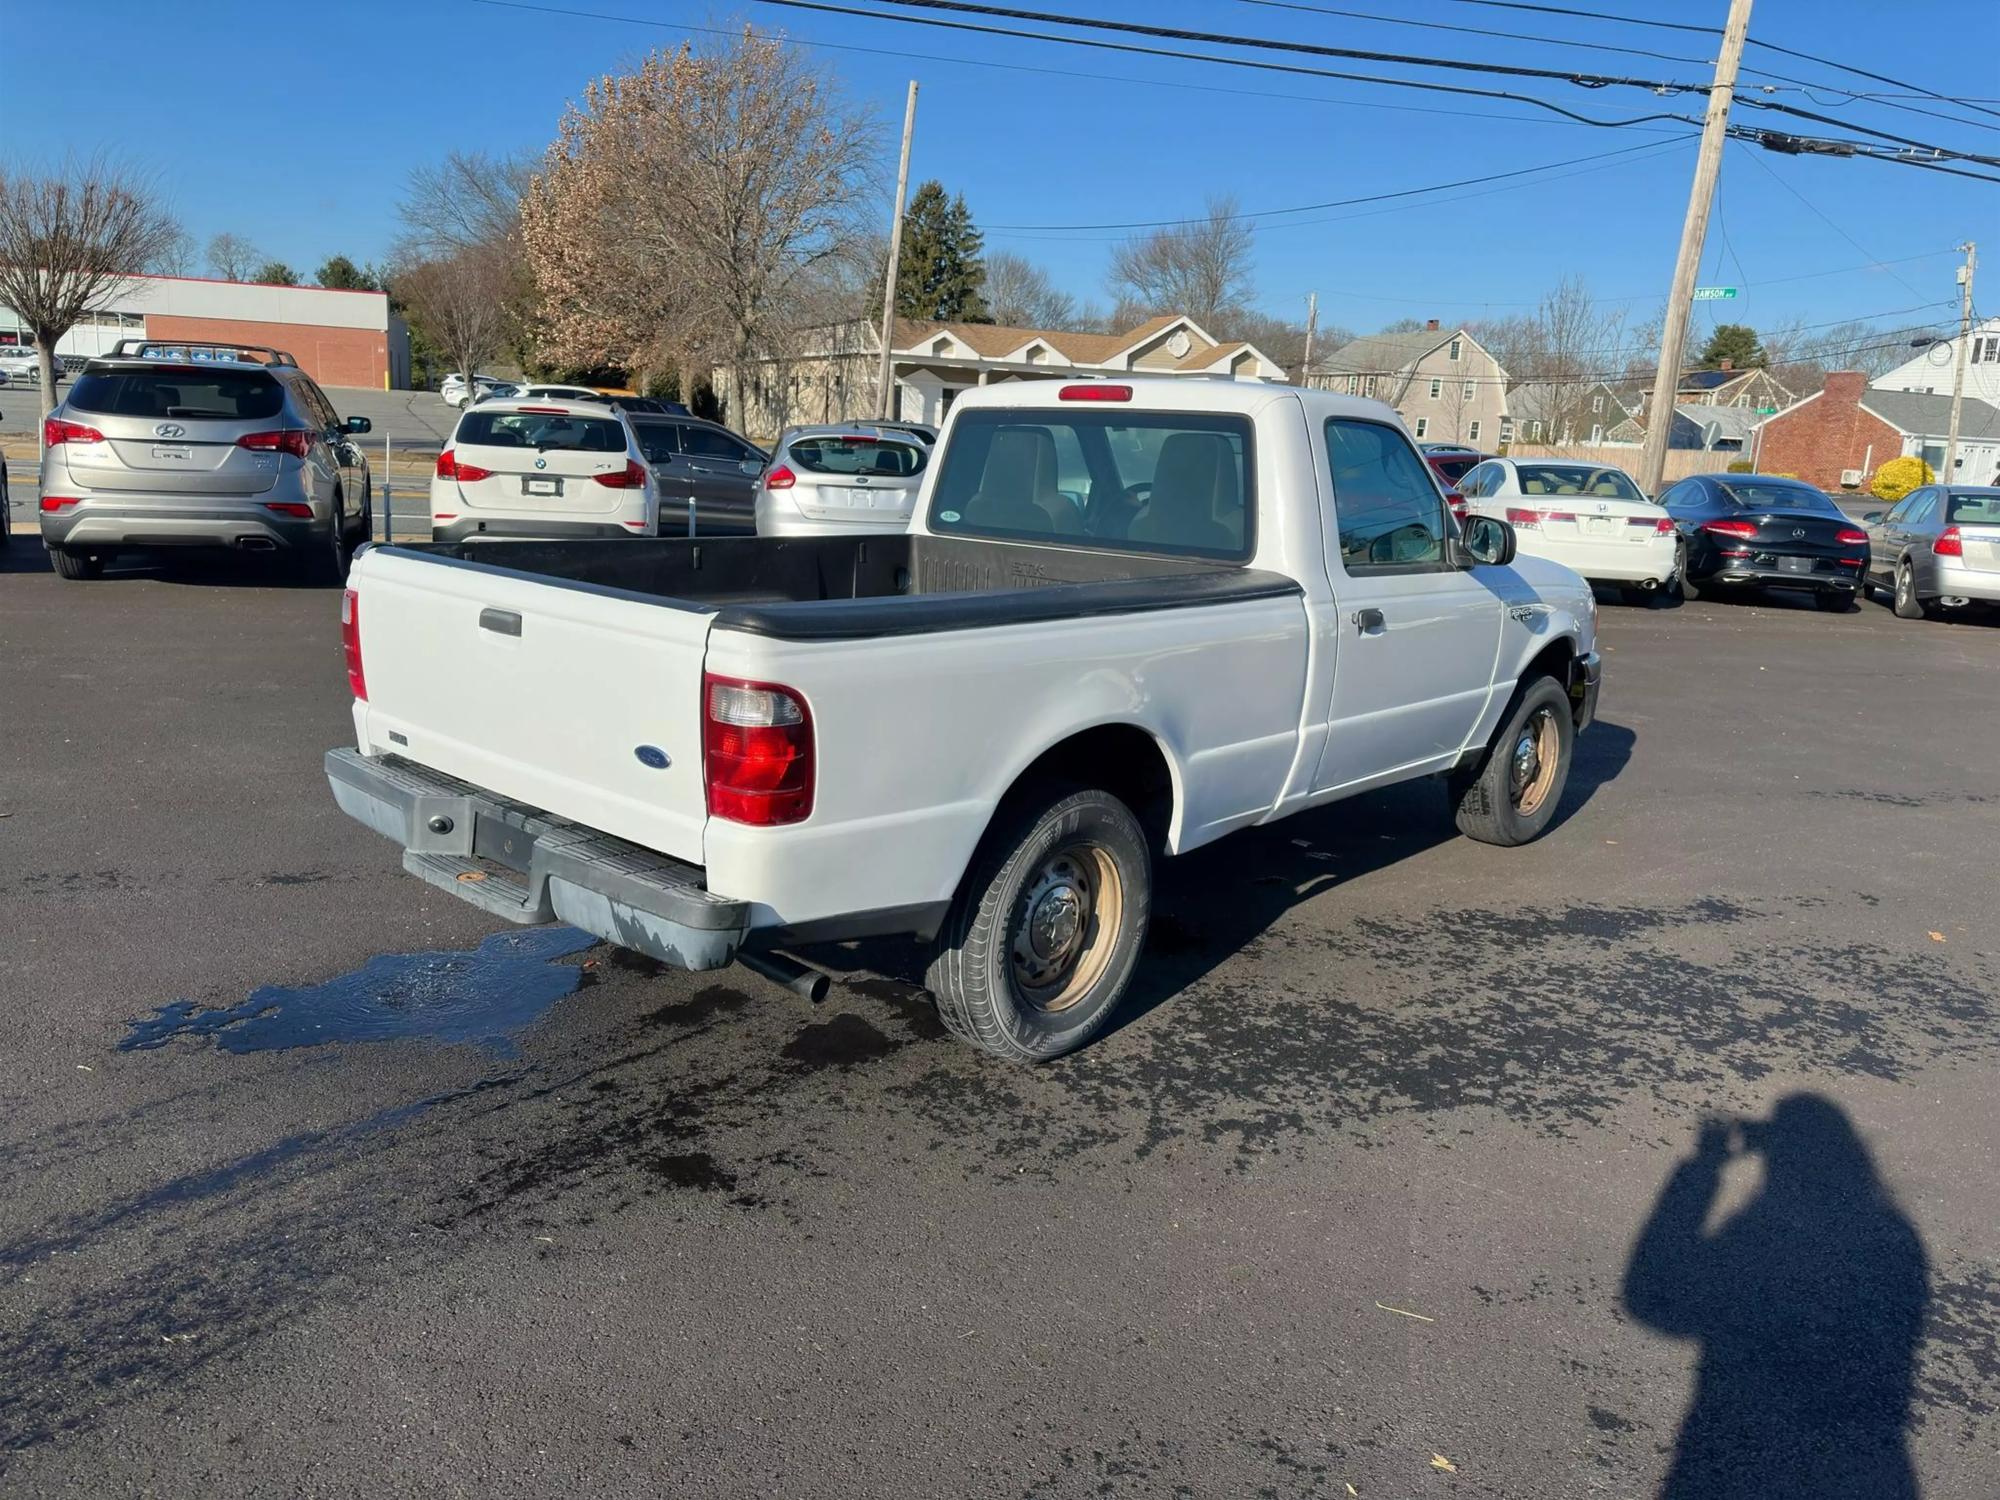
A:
(1387, 509)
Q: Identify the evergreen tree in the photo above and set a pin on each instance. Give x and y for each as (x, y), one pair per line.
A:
(275, 273)
(343, 275)
(941, 274)
(1737, 343)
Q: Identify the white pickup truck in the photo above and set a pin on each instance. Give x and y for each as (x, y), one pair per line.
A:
(1128, 618)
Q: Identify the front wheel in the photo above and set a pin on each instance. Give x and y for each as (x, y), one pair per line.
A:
(1511, 797)
(1046, 929)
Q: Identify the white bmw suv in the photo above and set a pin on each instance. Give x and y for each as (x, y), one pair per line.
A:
(543, 469)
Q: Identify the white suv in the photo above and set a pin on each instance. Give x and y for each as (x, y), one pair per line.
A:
(543, 469)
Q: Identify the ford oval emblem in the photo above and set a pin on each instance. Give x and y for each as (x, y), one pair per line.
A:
(652, 755)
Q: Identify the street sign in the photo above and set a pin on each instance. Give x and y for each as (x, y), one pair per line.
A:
(1767, 411)
(1715, 294)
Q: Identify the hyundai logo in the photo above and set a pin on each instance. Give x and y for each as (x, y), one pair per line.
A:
(170, 429)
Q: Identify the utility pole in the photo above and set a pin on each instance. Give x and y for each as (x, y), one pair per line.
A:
(1958, 370)
(884, 381)
(1312, 327)
(1708, 166)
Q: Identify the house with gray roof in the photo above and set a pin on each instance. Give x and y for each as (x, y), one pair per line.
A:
(1840, 435)
(1441, 381)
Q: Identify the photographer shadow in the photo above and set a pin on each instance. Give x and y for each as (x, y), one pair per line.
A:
(1808, 1303)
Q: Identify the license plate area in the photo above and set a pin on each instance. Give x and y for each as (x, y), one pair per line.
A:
(500, 841)
(541, 487)
(1796, 564)
(180, 451)
(1604, 526)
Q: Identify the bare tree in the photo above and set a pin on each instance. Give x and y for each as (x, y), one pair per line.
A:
(69, 243)
(232, 257)
(175, 257)
(470, 198)
(1557, 356)
(1019, 293)
(1201, 268)
(684, 209)
(457, 302)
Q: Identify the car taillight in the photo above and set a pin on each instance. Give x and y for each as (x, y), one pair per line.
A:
(1518, 518)
(448, 467)
(60, 502)
(55, 430)
(757, 752)
(1095, 391)
(631, 477)
(1949, 543)
(1850, 536)
(295, 442)
(1661, 525)
(296, 509)
(1456, 501)
(350, 642)
(780, 478)
(1732, 528)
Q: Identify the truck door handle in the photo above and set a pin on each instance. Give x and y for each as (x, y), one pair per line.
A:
(500, 621)
(1366, 620)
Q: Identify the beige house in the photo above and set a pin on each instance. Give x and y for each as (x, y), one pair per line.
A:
(833, 378)
(1441, 381)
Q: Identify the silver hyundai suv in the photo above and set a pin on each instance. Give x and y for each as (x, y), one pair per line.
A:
(190, 445)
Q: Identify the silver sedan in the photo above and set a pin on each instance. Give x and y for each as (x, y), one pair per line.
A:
(1938, 549)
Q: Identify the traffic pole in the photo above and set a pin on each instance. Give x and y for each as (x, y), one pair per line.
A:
(1694, 230)
(388, 492)
(883, 382)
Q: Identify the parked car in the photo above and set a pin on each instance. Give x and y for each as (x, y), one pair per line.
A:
(922, 430)
(453, 388)
(6, 507)
(1586, 516)
(850, 477)
(19, 366)
(650, 406)
(195, 446)
(1762, 531)
(500, 390)
(1451, 462)
(1937, 549)
(520, 468)
(532, 392)
(707, 475)
(981, 731)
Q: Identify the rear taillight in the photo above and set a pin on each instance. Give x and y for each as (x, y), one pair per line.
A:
(1456, 501)
(350, 642)
(780, 478)
(631, 477)
(1950, 543)
(55, 430)
(296, 509)
(757, 752)
(59, 502)
(1095, 391)
(1732, 528)
(448, 467)
(1519, 518)
(294, 442)
(1659, 525)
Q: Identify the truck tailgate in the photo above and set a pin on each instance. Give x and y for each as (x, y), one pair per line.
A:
(578, 701)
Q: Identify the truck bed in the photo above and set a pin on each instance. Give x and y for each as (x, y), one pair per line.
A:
(835, 588)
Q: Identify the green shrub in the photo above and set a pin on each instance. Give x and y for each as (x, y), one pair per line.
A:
(1742, 466)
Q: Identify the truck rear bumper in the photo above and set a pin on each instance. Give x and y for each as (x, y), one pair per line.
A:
(528, 866)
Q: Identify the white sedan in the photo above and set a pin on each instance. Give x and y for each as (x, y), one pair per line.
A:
(1588, 517)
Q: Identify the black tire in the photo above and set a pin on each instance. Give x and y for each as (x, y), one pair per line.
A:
(1511, 796)
(1907, 605)
(76, 565)
(6, 507)
(328, 564)
(1689, 589)
(1067, 865)
(1633, 597)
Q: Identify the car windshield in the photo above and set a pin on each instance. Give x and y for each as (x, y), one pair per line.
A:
(1576, 479)
(1975, 509)
(856, 453)
(1768, 494)
(221, 395)
(541, 431)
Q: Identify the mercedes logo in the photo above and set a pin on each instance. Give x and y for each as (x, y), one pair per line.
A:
(170, 429)
(1798, 533)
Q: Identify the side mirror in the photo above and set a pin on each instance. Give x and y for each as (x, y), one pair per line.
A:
(1487, 542)
(357, 425)
(1873, 516)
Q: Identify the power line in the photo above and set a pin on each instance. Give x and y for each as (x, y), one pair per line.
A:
(1362, 15)
(1261, 213)
(1824, 217)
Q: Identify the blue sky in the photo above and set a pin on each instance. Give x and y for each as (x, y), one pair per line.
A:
(297, 128)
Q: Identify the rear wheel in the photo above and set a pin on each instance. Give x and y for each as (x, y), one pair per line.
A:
(1045, 931)
(1689, 588)
(329, 565)
(1511, 797)
(70, 564)
(1908, 605)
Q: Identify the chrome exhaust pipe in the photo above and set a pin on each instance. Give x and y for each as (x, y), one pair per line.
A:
(782, 968)
(1650, 584)
(256, 544)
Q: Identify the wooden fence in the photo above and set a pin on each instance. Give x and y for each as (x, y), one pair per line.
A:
(1681, 462)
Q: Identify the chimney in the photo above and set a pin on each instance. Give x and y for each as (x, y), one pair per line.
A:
(1844, 387)
(1431, 326)
(1728, 364)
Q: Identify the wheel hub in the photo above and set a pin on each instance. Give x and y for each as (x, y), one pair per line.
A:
(1534, 761)
(1054, 921)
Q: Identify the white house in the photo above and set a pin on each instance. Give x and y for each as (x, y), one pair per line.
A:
(1928, 372)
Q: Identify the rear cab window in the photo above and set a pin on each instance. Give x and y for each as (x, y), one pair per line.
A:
(1177, 483)
(894, 458)
(1385, 503)
(540, 431)
(190, 392)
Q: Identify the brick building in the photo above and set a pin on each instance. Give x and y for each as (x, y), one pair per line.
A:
(339, 338)
(1848, 430)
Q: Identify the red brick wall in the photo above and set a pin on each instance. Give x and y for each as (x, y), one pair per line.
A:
(1818, 439)
(332, 356)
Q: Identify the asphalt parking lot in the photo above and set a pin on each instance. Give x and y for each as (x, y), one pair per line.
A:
(1392, 1175)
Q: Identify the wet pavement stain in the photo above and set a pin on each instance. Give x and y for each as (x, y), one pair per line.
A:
(485, 995)
(842, 1042)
